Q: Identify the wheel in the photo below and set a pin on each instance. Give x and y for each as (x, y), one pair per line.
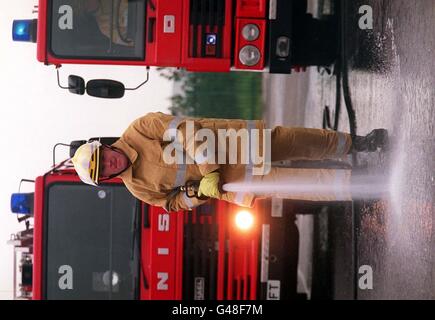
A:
(300, 6)
(315, 42)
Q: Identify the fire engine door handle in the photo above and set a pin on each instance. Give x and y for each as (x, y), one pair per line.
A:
(151, 30)
(146, 217)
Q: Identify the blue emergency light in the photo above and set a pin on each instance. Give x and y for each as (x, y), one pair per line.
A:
(22, 203)
(24, 30)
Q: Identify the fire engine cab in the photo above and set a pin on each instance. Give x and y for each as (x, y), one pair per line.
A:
(196, 35)
(85, 242)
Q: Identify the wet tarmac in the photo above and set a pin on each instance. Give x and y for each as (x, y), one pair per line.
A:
(392, 85)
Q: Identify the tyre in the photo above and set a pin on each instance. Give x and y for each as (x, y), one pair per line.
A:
(315, 41)
(300, 6)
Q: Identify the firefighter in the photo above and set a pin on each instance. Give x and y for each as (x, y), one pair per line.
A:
(140, 156)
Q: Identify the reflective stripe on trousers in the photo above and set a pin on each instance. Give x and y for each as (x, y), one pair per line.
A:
(341, 144)
(250, 124)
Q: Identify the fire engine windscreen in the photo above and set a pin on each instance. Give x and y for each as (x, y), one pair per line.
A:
(98, 29)
(91, 243)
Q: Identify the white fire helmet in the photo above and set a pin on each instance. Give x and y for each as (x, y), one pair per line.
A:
(86, 162)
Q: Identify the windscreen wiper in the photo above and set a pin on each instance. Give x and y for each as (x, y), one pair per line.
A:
(135, 252)
(135, 258)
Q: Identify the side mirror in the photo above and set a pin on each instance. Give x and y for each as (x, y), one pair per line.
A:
(76, 85)
(100, 88)
(96, 88)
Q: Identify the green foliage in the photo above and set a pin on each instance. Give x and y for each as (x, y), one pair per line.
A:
(232, 95)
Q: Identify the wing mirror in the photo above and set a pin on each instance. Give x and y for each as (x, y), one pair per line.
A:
(99, 88)
(76, 85)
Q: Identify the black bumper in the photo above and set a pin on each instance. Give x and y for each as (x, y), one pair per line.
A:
(298, 39)
(278, 256)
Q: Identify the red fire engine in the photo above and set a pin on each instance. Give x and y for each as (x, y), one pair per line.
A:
(82, 242)
(196, 35)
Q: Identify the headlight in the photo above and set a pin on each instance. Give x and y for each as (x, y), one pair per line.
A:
(244, 220)
(250, 32)
(249, 55)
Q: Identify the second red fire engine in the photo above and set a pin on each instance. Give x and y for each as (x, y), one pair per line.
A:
(197, 35)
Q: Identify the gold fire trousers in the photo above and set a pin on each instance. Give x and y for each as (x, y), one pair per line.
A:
(308, 144)
(306, 184)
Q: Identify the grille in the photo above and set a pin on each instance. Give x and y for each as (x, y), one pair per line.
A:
(200, 254)
(206, 17)
(218, 262)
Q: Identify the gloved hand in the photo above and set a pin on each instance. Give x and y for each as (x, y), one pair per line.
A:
(209, 185)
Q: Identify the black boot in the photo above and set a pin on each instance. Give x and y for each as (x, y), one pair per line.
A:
(378, 138)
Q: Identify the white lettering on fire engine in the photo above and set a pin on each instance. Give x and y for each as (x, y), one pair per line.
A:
(163, 224)
(163, 278)
(273, 289)
(66, 18)
(66, 280)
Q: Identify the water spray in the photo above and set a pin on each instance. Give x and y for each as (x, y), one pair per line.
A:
(357, 188)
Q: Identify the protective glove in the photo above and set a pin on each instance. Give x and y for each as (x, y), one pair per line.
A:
(209, 185)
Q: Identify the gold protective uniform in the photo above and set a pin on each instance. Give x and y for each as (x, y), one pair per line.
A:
(151, 179)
